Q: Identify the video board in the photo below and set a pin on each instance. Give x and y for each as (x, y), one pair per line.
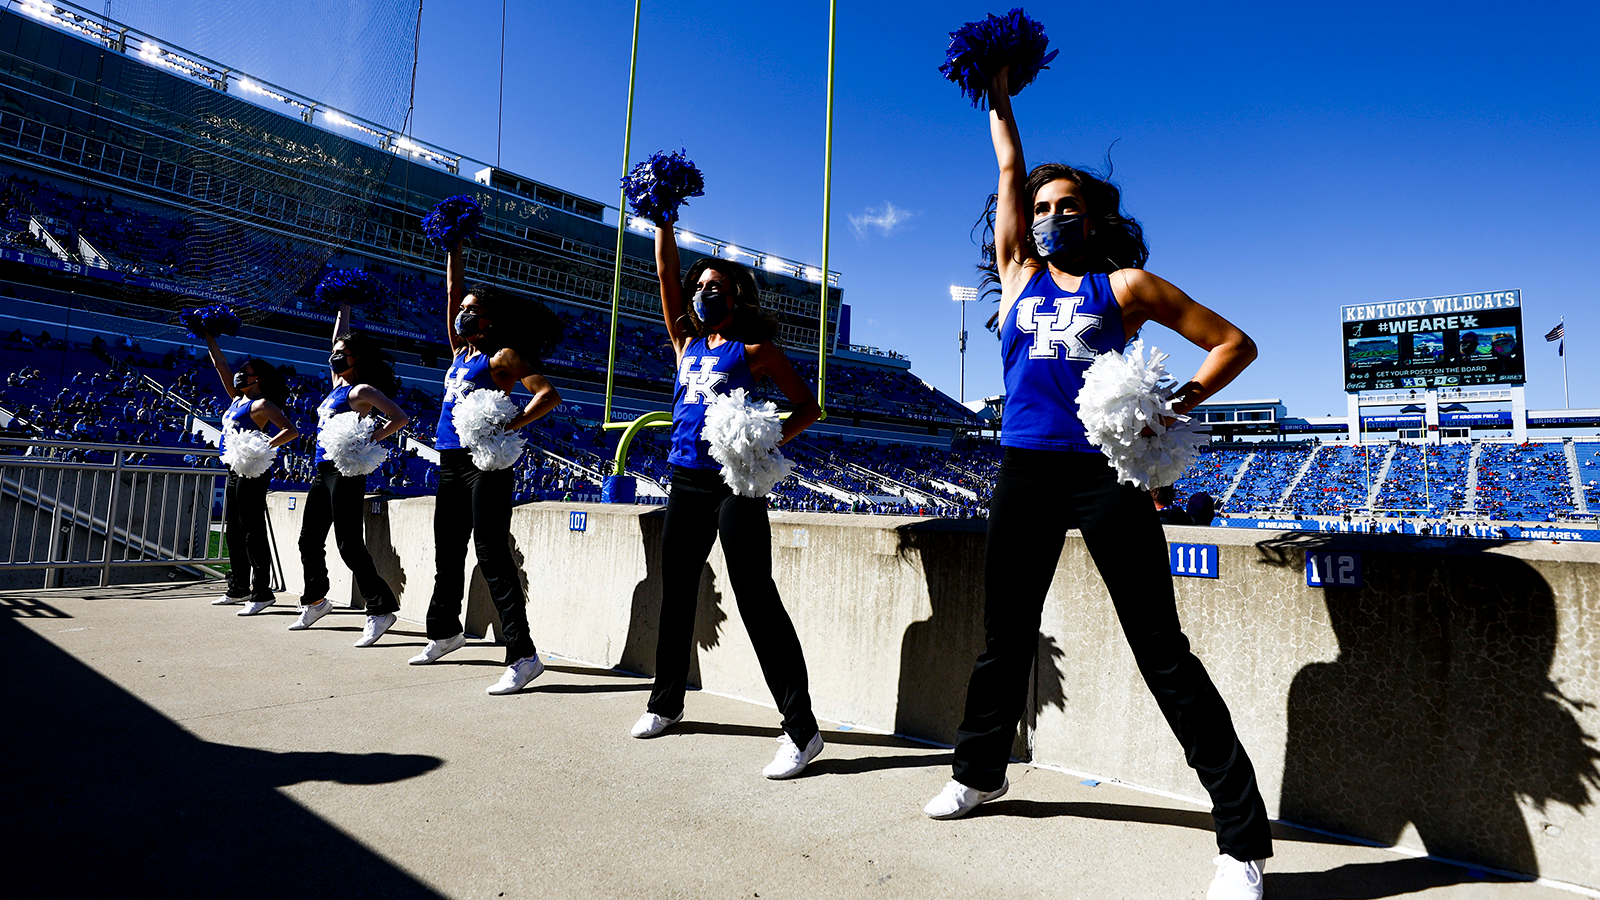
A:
(1454, 341)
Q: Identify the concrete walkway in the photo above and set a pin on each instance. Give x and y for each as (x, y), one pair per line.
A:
(156, 743)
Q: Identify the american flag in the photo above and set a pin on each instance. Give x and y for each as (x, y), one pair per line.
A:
(1559, 333)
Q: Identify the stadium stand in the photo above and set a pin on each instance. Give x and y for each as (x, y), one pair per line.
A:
(1524, 482)
(1340, 478)
(1268, 476)
(1442, 490)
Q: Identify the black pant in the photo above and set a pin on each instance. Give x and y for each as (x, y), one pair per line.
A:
(249, 556)
(472, 501)
(335, 500)
(1039, 495)
(700, 508)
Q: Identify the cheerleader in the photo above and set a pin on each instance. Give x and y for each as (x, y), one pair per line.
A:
(723, 342)
(258, 393)
(363, 379)
(495, 341)
(1069, 266)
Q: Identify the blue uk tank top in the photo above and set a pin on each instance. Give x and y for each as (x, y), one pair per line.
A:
(1047, 342)
(237, 417)
(703, 374)
(338, 401)
(466, 374)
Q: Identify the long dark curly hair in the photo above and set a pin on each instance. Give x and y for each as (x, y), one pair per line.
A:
(1116, 240)
(273, 385)
(374, 365)
(521, 323)
(751, 323)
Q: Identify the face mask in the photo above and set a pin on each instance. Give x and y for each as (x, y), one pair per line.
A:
(1059, 238)
(468, 323)
(339, 362)
(710, 306)
(240, 381)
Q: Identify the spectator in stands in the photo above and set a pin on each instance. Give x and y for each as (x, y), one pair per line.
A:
(724, 341)
(257, 390)
(1167, 510)
(495, 340)
(1069, 268)
(1201, 508)
(363, 380)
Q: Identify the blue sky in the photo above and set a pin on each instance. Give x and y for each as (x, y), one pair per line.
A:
(1284, 159)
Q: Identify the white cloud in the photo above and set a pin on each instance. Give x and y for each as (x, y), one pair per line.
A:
(885, 220)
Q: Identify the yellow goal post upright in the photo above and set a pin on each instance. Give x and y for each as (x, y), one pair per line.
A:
(619, 487)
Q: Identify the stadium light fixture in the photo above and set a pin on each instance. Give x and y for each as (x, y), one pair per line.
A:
(963, 296)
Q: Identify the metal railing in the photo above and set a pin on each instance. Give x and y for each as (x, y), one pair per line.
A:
(69, 505)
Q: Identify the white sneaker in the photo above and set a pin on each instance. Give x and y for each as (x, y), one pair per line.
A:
(375, 627)
(791, 760)
(517, 676)
(310, 614)
(436, 649)
(1236, 880)
(255, 607)
(226, 600)
(956, 800)
(650, 725)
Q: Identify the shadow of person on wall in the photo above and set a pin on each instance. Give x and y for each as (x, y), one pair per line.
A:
(1439, 711)
(380, 543)
(937, 653)
(644, 618)
(117, 797)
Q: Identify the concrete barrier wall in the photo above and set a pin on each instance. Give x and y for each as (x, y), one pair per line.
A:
(1448, 704)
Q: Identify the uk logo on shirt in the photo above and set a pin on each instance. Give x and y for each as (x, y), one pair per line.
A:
(1056, 328)
(700, 386)
(457, 384)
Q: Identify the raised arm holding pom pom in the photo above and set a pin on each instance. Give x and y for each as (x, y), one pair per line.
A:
(496, 339)
(724, 344)
(1069, 268)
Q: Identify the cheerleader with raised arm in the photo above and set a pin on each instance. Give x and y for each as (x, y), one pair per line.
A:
(496, 339)
(258, 393)
(348, 449)
(1069, 266)
(723, 342)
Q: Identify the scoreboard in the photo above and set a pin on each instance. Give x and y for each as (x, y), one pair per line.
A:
(1433, 342)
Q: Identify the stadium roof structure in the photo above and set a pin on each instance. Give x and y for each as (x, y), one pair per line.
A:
(96, 28)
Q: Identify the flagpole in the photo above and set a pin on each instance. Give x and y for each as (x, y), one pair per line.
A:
(1564, 395)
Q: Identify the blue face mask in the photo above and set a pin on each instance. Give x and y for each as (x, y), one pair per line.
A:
(711, 307)
(1059, 238)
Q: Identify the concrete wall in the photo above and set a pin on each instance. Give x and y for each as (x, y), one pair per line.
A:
(1449, 704)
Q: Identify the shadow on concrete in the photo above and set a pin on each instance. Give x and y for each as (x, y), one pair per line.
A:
(829, 765)
(538, 688)
(937, 653)
(387, 558)
(1439, 711)
(857, 738)
(1370, 881)
(107, 796)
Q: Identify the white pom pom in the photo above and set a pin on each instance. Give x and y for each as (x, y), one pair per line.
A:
(744, 437)
(1122, 396)
(247, 453)
(346, 440)
(480, 420)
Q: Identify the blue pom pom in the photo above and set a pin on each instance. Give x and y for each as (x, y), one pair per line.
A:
(194, 320)
(351, 286)
(979, 49)
(220, 320)
(454, 219)
(215, 320)
(659, 185)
